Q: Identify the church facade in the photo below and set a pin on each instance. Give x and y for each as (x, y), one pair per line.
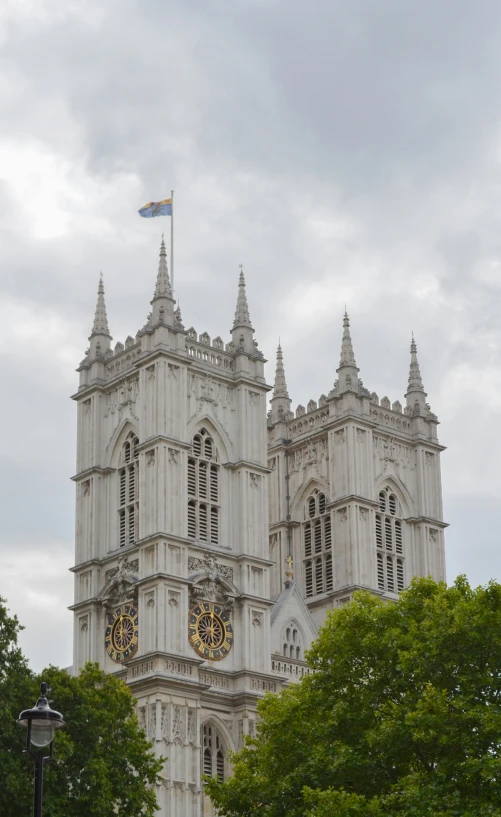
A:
(212, 536)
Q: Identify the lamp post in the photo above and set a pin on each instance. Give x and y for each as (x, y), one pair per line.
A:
(42, 722)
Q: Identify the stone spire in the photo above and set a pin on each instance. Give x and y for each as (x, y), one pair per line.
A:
(100, 326)
(100, 337)
(416, 395)
(347, 371)
(280, 387)
(163, 302)
(163, 282)
(242, 311)
(347, 356)
(280, 401)
(242, 331)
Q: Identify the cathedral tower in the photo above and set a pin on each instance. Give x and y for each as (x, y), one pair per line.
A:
(172, 575)
(355, 489)
(210, 541)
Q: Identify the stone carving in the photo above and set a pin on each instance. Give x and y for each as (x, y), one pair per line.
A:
(120, 583)
(84, 624)
(173, 456)
(191, 736)
(211, 581)
(364, 514)
(253, 398)
(339, 437)
(390, 450)
(361, 433)
(177, 726)
(123, 567)
(86, 487)
(272, 464)
(173, 371)
(150, 371)
(150, 599)
(342, 515)
(433, 534)
(150, 458)
(255, 480)
(123, 397)
(257, 618)
(194, 565)
(87, 405)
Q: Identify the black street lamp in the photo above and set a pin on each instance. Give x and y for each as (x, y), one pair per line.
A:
(42, 722)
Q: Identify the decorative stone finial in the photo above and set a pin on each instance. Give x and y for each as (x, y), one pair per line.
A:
(347, 356)
(162, 288)
(280, 387)
(242, 311)
(100, 326)
(289, 573)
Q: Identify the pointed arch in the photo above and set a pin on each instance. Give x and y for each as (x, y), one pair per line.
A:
(292, 640)
(217, 432)
(305, 490)
(391, 535)
(400, 490)
(116, 442)
(216, 745)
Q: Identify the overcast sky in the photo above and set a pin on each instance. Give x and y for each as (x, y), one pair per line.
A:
(344, 152)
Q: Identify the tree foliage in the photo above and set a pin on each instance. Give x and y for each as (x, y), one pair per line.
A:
(103, 762)
(401, 715)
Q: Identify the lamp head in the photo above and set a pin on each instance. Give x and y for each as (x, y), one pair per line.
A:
(41, 721)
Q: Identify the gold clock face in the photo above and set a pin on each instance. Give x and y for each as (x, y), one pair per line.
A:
(209, 631)
(121, 636)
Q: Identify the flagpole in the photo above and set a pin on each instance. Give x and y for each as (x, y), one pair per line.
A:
(172, 241)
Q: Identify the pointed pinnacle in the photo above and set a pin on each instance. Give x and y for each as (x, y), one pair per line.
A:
(280, 387)
(100, 325)
(242, 311)
(415, 381)
(347, 356)
(162, 288)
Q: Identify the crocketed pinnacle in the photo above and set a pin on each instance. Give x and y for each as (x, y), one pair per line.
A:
(415, 381)
(280, 387)
(100, 326)
(242, 311)
(163, 288)
(347, 356)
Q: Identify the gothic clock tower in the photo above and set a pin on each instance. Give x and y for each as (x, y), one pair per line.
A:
(172, 570)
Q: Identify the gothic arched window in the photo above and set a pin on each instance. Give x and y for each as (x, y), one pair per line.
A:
(292, 642)
(203, 489)
(317, 544)
(128, 502)
(389, 543)
(213, 755)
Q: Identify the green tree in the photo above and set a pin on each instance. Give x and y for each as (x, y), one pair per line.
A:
(105, 765)
(16, 693)
(103, 762)
(401, 715)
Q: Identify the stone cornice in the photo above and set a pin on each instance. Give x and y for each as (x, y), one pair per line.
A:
(94, 469)
(427, 520)
(345, 500)
(161, 438)
(255, 466)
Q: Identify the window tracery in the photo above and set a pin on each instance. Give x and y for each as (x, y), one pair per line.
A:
(203, 489)
(128, 502)
(317, 544)
(389, 543)
(213, 754)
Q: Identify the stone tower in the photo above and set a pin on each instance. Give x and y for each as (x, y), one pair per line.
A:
(355, 488)
(194, 513)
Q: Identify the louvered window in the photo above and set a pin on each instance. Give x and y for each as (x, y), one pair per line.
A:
(317, 541)
(128, 493)
(213, 757)
(389, 540)
(203, 489)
